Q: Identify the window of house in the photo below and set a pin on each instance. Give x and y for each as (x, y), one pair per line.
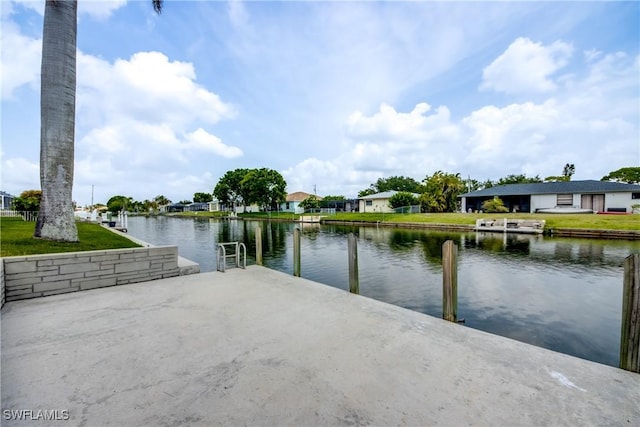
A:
(635, 195)
(369, 203)
(288, 205)
(565, 200)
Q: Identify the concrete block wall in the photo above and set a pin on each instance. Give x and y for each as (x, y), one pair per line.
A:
(42, 275)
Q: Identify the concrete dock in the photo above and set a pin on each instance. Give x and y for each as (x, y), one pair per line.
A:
(259, 347)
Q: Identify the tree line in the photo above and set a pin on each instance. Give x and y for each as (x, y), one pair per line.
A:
(267, 188)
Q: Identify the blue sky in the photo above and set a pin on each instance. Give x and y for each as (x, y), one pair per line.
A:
(333, 95)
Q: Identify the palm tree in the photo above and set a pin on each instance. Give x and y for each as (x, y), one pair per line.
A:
(57, 120)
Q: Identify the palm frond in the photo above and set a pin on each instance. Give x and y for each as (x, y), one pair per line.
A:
(157, 6)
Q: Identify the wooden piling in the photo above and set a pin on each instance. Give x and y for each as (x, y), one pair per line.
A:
(259, 246)
(296, 252)
(449, 281)
(630, 334)
(354, 281)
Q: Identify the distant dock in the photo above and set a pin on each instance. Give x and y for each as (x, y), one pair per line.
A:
(259, 347)
(525, 226)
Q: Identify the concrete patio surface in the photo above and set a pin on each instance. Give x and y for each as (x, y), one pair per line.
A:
(259, 347)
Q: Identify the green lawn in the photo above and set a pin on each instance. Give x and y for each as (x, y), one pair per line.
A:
(589, 221)
(16, 238)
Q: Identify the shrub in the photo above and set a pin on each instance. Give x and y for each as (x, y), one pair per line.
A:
(496, 205)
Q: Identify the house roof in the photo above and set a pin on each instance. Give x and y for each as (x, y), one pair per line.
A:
(299, 196)
(383, 195)
(587, 186)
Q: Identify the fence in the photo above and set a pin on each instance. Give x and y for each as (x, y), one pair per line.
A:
(408, 209)
(25, 215)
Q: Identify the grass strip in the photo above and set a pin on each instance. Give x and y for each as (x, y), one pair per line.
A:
(578, 221)
(16, 238)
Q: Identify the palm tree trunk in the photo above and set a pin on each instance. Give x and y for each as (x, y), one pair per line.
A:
(57, 114)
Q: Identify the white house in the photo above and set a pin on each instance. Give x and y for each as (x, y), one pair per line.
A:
(598, 196)
(378, 202)
(293, 200)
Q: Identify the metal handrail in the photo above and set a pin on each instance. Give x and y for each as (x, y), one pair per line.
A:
(240, 255)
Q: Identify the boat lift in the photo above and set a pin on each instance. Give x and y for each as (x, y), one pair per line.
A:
(238, 252)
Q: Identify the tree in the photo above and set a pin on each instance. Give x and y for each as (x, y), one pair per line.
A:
(185, 202)
(393, 183)
(331, 198)
(119, 203)
(149, 205)
(567, 172)
(472, 185)
(56, 220)
(518, 179)
(265, 187)
(311, 202)
(161, 201)
(228, 190)
(441, 192)
(401, 199)
(202, 197)
(29, 200)
(630, 175)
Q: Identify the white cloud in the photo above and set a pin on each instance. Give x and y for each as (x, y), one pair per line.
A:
(136, 119)
(526, 67)
(21, 58)
(147, 87)
(591, 123)
(19, 174)
(204, 141)
(99, 9)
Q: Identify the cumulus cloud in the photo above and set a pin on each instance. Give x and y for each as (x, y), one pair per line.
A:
(149, 87)
(204, 141)
(22, 173)
(147, 115)
(526, 67)
(591, 123)
(136, 118)
(21, 57)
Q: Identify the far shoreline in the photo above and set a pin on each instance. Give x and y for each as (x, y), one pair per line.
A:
(623, 227)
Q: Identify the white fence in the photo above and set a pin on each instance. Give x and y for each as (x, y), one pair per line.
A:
(25, 215)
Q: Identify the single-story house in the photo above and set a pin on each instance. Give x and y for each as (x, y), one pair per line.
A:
(197, 207)
(293, 200)
(174, 207)
(217, 206)
(378, 202)
(347, 205)
(598, 196)
(6, 200)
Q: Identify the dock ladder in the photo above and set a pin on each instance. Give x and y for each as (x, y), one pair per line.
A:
(237, 251)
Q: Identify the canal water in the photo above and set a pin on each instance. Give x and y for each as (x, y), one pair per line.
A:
(558, 293)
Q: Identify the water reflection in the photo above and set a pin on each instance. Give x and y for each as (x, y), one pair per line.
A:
(561, 294)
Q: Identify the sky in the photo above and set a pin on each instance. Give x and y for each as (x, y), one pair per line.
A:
(333, 95)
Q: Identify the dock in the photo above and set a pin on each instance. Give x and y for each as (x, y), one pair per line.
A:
(526, 226)
(260, 347)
